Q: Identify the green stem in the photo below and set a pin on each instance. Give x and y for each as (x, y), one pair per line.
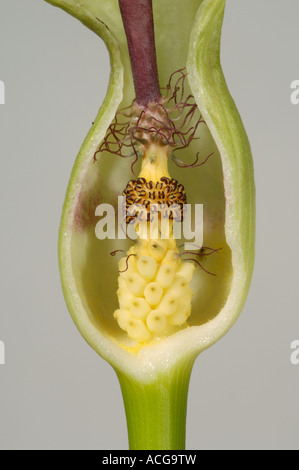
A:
(156, 411)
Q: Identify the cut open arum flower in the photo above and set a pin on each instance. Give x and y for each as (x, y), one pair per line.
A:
(157, 302)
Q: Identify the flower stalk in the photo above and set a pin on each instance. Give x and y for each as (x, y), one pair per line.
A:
(137, 16)
(156, 412)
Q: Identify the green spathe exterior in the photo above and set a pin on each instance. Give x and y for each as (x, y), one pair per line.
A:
(152, 374)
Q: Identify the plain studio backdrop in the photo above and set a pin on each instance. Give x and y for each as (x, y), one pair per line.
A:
(55, 392)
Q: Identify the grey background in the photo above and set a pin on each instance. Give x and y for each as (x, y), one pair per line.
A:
(55, 392)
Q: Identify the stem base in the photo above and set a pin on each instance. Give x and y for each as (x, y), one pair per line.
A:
(156, 412)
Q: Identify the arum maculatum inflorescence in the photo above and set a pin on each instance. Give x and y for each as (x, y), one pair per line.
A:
(154, 284)
(150, 305)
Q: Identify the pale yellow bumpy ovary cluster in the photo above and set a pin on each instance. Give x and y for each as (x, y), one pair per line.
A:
(154, 290)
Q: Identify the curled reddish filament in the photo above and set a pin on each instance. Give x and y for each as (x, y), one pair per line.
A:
(172, 121)
(203, 252)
